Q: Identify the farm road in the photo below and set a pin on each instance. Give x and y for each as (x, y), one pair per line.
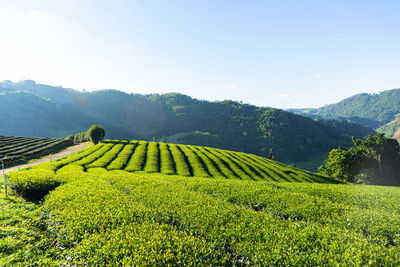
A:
(58, 155)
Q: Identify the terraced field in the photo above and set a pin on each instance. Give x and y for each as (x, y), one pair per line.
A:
(122, 203)
(14, 149)
(184, 160)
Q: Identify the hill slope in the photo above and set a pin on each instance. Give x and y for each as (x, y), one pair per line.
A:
(14, 149)
(115, 217)
(177, 118)
(372, 110)
(183, 160)
(28, 114)
(392, 129)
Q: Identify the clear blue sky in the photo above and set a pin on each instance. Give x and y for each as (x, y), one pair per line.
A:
(268, 53)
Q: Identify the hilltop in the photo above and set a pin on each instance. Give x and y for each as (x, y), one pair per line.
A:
(40, 110)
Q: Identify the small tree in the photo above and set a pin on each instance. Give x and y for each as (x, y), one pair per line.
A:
(339, 165)
(271, 154)
(96, 133)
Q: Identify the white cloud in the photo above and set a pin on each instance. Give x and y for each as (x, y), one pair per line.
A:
(33, 14)
(230, 86)
(318, 75)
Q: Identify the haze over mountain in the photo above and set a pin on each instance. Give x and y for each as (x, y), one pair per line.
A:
(379, 111)
(39, 110)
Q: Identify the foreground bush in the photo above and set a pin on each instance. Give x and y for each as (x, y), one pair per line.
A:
(117, 218)
(34, 184)
(120, 218)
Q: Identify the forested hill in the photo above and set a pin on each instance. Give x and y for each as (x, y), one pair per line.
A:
(373, 110)
(40, 110)
(379, 111)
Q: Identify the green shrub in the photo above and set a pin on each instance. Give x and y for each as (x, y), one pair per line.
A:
(70, 137)
(34, 184)
(179, 158)
(138, 158)
(107, 157)
(81, 137)
(152, 158)
(95, 133)
(123, 157)
(166, 161)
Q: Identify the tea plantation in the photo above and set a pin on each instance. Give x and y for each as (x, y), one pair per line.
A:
(183, 160)
(14, 149)
(145, 203)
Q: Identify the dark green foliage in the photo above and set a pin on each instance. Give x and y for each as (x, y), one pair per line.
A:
(378, 158)
(347, 127)
(34, 184)
(294, 138)
(375, 160)
(201, 139)
(271, 154)
(15, 150)
(81, 137)
(178, 118)
(372, 110)
(70, 137)
(95, 133)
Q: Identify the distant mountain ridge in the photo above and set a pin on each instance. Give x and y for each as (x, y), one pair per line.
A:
(379, 111)
(38, 110)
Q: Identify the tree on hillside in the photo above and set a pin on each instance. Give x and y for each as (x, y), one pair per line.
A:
(374, 160)
(95, 133)
(271, 154)
(339, 165)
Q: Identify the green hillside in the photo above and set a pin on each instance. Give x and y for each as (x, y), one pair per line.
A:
(120, 203)
(15, 149)
(392, 129)
(372, 110)
(182, 160)
(48, 111)
(28, 114)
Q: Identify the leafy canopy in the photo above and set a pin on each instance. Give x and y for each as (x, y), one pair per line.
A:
(96, 133)
(374, 160)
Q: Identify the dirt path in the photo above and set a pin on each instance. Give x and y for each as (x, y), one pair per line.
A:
(58, 155)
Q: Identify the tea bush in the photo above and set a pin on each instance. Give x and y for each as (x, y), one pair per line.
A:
(116, 217)
(34, 184)
(167, 163)
(108, 218)
(123, 157)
